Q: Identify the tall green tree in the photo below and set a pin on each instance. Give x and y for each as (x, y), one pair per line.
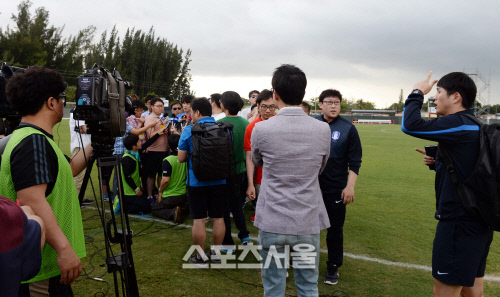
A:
(153, 64)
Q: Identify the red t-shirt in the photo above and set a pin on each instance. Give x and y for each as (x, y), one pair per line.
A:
(247, 146)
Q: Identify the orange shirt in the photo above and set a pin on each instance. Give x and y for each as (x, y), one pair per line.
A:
(247, 146)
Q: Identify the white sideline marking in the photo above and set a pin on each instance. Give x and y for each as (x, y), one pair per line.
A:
(349, 255)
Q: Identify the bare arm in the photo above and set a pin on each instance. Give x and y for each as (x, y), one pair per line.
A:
(138, 131)
(30, 214)
(250, 172)
(182, 156)
(164, 183)
(67, 260)
(79, 161)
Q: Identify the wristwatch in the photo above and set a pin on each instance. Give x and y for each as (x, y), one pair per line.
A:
(137, 190)
(418, 92)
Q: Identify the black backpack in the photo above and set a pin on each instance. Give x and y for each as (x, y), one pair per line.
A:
(479, 193)
(212, 151)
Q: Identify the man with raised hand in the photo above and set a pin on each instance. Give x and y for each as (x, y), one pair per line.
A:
(252, 97)
(290, 213)
(36, 172)
(339, 177)
(462, 242)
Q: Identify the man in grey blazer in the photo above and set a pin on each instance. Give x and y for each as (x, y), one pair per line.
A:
(292, 148)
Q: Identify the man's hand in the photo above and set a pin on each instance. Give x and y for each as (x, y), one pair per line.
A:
(69, 264)
(139, 193)
(424, 85)
(348, 194)
(428, 160)
(141, 120)
(251, 192)
(83, 129)
(152, 124)
(27, 210)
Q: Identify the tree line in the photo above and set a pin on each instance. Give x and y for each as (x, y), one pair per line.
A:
(152, 63)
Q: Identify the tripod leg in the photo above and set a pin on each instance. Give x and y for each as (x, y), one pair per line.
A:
(86, 178)
(129, 271)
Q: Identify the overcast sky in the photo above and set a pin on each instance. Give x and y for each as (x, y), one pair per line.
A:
(365, 49)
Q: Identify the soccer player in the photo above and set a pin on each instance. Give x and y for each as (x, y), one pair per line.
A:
(339, 177)
(462, 242)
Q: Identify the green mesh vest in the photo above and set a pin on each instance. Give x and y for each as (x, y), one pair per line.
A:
(63, 200)
(177, 184)
(127, 190)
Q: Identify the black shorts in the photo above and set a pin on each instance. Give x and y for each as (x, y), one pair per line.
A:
(460, 250)
(209, 199)
(152, 164)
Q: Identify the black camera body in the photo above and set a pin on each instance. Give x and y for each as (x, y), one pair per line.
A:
(102, 103)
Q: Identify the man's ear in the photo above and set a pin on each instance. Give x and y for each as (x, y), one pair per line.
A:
(276, 96)
(457, 98)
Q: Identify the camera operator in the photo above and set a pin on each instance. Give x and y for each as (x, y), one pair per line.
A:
(36, 172)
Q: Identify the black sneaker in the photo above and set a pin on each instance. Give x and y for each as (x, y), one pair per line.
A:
(212, 255)
(332, 275)
(198, 260)
(87, 201)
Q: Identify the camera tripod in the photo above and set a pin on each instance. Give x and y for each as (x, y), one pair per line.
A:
(123, 263)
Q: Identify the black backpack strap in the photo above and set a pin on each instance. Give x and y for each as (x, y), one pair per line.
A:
(474, 119)
(450, 166)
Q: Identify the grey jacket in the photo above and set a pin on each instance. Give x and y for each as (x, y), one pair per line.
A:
(292, 148)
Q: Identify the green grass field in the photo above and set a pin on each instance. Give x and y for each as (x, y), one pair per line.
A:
(391, 219)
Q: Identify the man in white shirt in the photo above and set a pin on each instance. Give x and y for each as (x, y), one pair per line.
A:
(79, 129)
(217, 112)
(252, 96)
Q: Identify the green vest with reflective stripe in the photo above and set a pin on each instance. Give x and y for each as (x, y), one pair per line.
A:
(177, 184)
(127, 190)
(63, 200)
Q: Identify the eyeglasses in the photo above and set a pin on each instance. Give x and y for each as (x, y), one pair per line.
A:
(176, 108)
(265, 107)
(331, 102)
(254, 96)
(159, 106)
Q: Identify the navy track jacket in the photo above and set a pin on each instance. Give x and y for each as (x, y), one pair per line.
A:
(459, 136)
(345, 155)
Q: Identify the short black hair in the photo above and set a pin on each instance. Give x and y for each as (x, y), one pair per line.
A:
(175, 103)
(462, 83)
(187, 99)
(289, 82)
(253, 106)
(329, 93)
(232, 102)
(306, 105)
(130, 141)
(173, 141)
(149, 97)
(216, 98)
(264, 95)
(203, 106)
(156, 99)
(137, 104)
(28, 91)
(251, 92)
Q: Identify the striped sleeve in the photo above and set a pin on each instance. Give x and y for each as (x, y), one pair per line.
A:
(32, 162)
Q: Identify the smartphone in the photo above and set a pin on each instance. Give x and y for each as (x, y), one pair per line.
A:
(431, 151)
(166, 127)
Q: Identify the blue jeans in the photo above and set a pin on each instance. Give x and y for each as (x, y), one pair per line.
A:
(304, 251)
